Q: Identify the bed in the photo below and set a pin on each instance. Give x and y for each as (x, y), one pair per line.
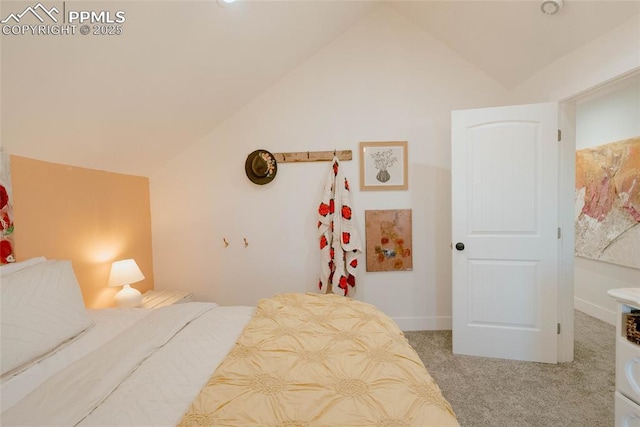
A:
(293, 360)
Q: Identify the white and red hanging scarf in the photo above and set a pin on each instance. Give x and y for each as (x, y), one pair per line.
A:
(340, 245)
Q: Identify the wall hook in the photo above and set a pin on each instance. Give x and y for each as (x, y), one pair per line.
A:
(245, 242)
(225, 242)
(307, 155)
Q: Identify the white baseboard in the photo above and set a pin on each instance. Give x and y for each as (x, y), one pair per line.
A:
(423, 323)
(595, 310)
(445, 322)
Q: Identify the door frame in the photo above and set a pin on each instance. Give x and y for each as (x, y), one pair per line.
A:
(566, 222)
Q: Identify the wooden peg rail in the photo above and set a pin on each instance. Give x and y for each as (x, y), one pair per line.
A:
(312, 156)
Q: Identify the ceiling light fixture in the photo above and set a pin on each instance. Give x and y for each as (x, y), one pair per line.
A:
(551, 7)
(223, 3)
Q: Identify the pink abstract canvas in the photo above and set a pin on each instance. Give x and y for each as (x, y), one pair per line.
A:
(608, 202)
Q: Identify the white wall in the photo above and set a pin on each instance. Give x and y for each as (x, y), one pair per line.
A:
(383, 80)
(608, 115)
(605, 59)
(577, 75)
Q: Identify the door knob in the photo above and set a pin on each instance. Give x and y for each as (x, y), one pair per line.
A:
(460, 246)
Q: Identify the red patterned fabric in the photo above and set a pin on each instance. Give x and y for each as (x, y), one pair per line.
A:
(6, 212)
(340, 244)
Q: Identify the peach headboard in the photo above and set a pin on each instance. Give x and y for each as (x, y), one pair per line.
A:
(88, 216)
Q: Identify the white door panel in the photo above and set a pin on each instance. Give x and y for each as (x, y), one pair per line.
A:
(505, 212)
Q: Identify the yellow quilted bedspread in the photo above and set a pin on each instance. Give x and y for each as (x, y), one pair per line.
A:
(320, 360)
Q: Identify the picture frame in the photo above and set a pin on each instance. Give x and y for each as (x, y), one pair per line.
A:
(388, 239)
(384, 166)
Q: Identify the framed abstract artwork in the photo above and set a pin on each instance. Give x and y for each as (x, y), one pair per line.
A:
(608, 203)
(388, 237)
(383, 166)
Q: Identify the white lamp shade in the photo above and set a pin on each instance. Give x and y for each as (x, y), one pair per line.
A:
(122, 274)
(125, 272)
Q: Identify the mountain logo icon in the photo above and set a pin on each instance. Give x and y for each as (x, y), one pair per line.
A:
(38, 11)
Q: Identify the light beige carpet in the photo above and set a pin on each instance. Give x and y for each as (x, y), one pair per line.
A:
(505, 393)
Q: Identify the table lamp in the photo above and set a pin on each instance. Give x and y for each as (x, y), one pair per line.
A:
(123, 273)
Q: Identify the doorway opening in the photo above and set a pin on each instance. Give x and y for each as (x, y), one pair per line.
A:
(587, 281)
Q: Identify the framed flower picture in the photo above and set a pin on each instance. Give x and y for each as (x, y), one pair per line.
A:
(389, 243)
(383, 166)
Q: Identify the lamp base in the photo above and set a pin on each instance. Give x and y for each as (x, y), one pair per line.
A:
(128, 297)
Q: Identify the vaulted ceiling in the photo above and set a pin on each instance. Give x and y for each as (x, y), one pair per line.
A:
(131, 102)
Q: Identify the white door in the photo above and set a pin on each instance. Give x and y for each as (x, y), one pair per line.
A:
(504, 179)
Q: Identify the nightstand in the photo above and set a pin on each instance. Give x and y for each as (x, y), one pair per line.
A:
(157, 299)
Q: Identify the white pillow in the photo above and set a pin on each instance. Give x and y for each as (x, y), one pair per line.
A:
(16, 266)
(42, 308)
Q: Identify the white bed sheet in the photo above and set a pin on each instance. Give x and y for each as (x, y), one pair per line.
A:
(162, 387)
(160, 391)
(107, 324)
